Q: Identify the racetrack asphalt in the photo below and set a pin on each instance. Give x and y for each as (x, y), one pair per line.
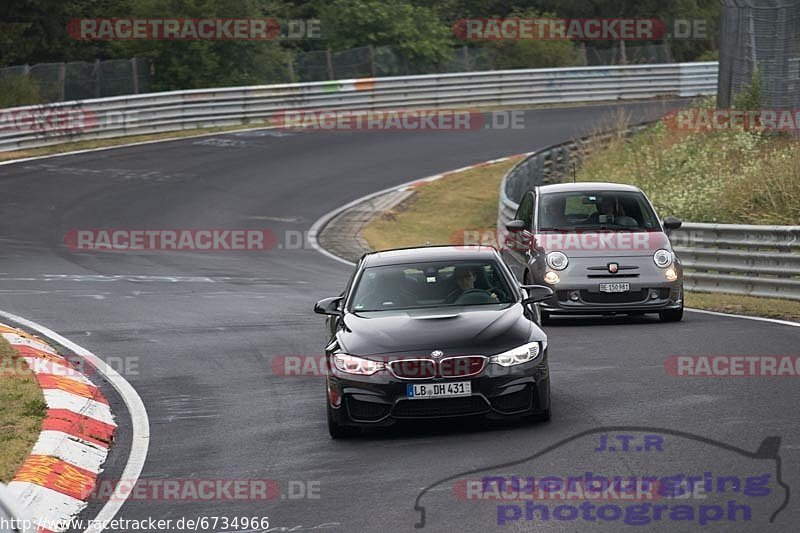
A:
(199, 332)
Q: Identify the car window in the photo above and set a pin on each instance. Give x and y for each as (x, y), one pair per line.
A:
(601, 210)
(426, 285)
(525, 211)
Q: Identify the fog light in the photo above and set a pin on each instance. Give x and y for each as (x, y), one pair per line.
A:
(574, 296)
(551, 278)
(670, 274)
(653, 294)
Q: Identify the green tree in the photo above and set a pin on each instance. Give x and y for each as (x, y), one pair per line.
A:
(180, 64)
(416, 31)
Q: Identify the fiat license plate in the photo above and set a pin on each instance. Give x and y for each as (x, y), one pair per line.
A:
(615, 287)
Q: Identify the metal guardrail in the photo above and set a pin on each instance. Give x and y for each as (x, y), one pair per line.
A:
(27, 127)
(741, 259)
(723, 258)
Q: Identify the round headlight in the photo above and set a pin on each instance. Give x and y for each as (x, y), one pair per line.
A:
(551, 277)
(557, 260)
(662, 258)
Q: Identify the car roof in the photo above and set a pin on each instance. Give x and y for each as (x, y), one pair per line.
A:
(587, 186)
(429, 253)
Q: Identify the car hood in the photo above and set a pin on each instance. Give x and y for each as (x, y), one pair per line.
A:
(602, 243)
(455, 331)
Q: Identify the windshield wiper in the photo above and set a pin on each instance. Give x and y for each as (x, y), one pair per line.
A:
(609, 226)
(565, 228)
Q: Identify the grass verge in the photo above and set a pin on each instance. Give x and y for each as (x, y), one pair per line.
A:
(439, 210)
(22, 409)
(745, 305)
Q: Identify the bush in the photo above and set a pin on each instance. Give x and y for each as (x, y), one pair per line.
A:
(19, 90)
(534, 54)
(708, 55)
(749, 97)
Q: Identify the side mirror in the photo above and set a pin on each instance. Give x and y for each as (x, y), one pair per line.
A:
(672, 223)
(537, 293)
(515, 225)
(329, 306)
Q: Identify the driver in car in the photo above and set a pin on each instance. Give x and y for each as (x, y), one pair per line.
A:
(465, 279)
(612, 212)
(606, 207)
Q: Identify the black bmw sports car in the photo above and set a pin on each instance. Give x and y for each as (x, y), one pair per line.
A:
(434, 332)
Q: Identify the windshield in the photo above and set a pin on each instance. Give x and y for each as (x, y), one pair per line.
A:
(425, 285)
(601, 210)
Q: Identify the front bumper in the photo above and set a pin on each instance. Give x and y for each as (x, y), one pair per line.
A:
(497, 393)
(650, 292)
(638, 300)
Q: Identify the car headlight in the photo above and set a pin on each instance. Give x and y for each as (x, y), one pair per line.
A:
(521, 354)
(350, 364)
(662, 258)
(557, 260)
(671, 274)
(551, 277)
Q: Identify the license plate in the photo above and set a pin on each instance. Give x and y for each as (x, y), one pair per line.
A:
(419, 391)
(615, 287)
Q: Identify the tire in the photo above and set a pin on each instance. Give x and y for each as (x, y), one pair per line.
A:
(671, 315)
(546, 320)
(338, 431)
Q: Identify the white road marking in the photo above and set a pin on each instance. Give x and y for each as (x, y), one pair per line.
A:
(139, 420)
(59, 399)
(45, 504)
(19, 340)
(757, 318)
(71, 449)
(44, 366)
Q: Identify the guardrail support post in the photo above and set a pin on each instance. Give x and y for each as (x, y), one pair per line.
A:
(329, 61)
(135, 74)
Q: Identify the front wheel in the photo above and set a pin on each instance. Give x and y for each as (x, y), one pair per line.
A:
(546, 320)
(671, 315)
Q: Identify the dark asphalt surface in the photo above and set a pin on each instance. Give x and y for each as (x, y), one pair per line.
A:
(202, 329)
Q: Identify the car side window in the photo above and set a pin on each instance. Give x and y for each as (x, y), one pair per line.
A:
(525, 211)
